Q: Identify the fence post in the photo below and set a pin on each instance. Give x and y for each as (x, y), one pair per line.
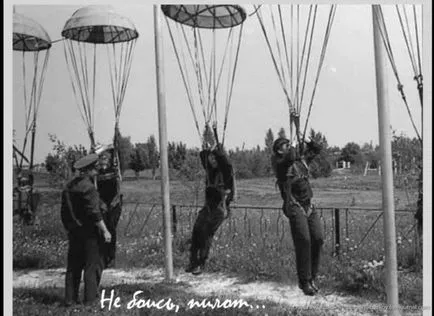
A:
(337, 232)
(174, 220)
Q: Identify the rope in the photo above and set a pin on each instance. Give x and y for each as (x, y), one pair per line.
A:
(419, 78)
(406, 38)
(322, 56)
(379, 19)
(208, 70)
(184, 79)
(232, 83)
(282, 71)
(32, 101)
(284, 39)
(274, 59)
(308, 55)
(302, 59)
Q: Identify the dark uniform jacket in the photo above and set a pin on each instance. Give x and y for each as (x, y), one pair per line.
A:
(222, 177)
(109, 189)
(80, 206)
(298, 175)
(281, 164)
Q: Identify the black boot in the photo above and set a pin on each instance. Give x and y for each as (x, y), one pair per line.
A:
(191, 267)
(198, 270)
(314, 285)
(307, 288)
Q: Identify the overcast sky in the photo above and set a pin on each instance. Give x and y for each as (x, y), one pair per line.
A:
(345, 107)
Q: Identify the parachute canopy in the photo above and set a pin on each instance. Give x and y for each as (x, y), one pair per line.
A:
(206, 40)
(99, 25)
(98, 40)
(206, 16)
(29, 35)
(31, 44)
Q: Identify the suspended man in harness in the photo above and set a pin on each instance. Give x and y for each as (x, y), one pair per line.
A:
(108, 185)
(219, 193)
(292, 173)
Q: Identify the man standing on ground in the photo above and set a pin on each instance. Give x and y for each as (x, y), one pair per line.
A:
(87, 233)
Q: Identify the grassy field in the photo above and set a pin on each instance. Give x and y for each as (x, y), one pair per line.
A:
(254, 243)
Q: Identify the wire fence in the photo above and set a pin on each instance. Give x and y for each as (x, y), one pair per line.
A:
(253, 234)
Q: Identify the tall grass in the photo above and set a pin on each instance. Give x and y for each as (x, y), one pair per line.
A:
(252, 243)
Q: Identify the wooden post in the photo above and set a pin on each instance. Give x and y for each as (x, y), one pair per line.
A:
(337, 232)
(174, 219)
(387, 173)
(162, 129)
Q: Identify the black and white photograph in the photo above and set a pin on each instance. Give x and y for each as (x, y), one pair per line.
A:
(217, 159)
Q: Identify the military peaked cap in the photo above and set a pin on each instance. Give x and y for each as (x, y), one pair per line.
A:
(279, 142)
(86, 161)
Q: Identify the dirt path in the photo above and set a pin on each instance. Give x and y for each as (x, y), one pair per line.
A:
(207, 284)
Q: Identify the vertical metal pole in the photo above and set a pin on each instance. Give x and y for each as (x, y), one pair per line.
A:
(387, 172)
(337, 232)
(162, 129)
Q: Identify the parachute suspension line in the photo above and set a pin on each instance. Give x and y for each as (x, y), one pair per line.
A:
(42, 80)
(201, 73)
(118, 73)
(417, 67)
(37, 99)
(209, 107)
(419, 78)
(321, 61)
(94, 79)
(25, 92)
(298, 59)
(184, 78)
(407, 38)
(83, 64)
(410, 41)
(130, 52)
(112, 72)
(379, 19)
(198, 73)
(85, 85)
(32, 108)
(232, 83)
(180, 29)
(33, 93)
(416, 29)
(26, 112)
(229, 41)
(308, 54)
(292, 54)
(285, 90)
(214, 55)
(300, 68)
(279, 52)
(284, 39)
(77, 87)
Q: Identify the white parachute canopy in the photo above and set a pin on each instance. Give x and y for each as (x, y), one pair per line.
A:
(206, 40)
(31, 44)
(89, 33)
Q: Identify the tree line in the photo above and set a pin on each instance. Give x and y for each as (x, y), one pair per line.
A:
(248, 163)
